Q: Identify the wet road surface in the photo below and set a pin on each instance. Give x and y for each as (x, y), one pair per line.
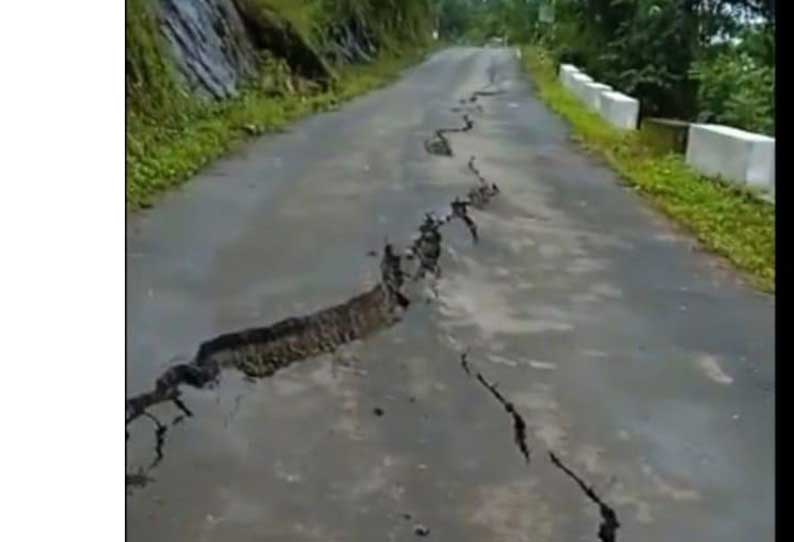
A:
(643, 364)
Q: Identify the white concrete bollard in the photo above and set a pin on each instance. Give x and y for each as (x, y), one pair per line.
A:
(741, 157)
(578, 81)
(566, 71)
(591, 95)
(619, 110)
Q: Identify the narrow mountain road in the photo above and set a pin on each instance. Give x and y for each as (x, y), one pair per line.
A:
(580, 324)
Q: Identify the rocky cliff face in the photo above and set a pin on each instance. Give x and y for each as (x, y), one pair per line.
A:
(350, 42)
(209, 44)
(215, 43)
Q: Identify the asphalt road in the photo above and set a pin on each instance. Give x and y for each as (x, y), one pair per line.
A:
(644, 363)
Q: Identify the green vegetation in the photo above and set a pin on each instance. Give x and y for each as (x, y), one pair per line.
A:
(171, 134)
(736, 89)
(304, 14)
(728, 220)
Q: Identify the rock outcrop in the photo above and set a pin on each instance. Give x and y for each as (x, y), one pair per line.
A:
(350, 42)
(212, 48)
(215, 44)
(209, 44)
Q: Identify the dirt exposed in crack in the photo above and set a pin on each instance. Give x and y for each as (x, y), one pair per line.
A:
(519, 425)
(439, 144)
(607, 530)
(460, 209)
(426, 247)
(480, 196)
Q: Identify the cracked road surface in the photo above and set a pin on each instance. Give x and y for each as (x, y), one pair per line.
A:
(642, 364)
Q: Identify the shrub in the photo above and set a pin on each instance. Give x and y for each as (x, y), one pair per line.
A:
(735, 89)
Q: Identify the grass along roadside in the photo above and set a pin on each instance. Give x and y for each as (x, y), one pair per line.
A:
(162, 153)
(726, 219)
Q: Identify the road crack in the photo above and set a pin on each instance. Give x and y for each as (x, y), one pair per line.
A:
(480, 196)
(607, 530)
(439, 144)
(519, 425)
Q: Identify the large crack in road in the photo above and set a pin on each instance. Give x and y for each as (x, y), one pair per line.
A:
(439, 144)
(261, 352)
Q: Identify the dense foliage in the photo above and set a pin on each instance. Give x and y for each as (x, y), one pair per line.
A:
(737, 86)
(706, 59)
